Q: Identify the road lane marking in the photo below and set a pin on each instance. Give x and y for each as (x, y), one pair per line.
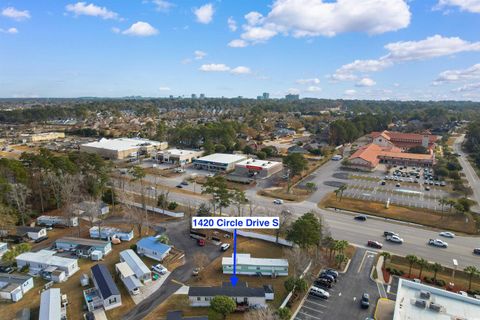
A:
(370, 255)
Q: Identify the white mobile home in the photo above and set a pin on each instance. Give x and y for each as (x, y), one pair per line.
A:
(41, 260)
(106, 289)
(51, 305)
(152, 248)
(14, 286)
(83, 247)
(3, 248)
(57, 221)
(247, 265)
(136, 264)
(109, 233)
(33, 233)
(244, 296)
(128, 277)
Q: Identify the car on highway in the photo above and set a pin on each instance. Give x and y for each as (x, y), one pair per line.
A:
(225, 246)
(158, 268)
(437, 243)
(447, 234)
(319, 292)
(374, 244)
(397, 185)
(476, 251)
(195, 271)
(278, 201)
(323, 283)
(184, 183)
(179, 186)
(394, 239)
(389, 233)
(365, 301)
(360, 217)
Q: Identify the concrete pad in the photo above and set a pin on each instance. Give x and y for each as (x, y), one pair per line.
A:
(384, 310)
(149, 288)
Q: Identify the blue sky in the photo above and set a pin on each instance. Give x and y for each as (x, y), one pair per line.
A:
(356, 49)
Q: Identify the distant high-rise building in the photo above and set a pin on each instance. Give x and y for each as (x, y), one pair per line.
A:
(194, 96)
(266, 96)
(202, 95)
(259, 97)
(292, 97)
(171, 96)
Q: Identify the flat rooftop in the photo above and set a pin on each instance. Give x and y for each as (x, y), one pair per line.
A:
(82, 241)
(120, 144)
(222, 158)
(246, 259)
(179, 152)
(45, 257)
(451, 305)
(264, 164)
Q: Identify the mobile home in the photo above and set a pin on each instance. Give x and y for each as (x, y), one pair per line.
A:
(152, 248)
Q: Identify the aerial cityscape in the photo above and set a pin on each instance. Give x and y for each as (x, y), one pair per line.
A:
(271, 159)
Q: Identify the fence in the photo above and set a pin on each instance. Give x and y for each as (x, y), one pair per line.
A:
(260, 236)
(156, 210)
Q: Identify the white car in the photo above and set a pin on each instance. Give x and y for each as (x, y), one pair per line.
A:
(438, 243)
(319, 292)
(278, 201)
(158, 268)
(225, 246)
(395, 239)
(447, 234)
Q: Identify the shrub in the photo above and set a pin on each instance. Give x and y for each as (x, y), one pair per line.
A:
(133, 247)
(440, 283)
(172, 205)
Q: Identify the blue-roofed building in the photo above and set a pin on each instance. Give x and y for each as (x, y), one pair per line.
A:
(151, 247)
(106, 293)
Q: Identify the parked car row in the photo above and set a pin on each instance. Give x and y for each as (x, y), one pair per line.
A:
(325, 281)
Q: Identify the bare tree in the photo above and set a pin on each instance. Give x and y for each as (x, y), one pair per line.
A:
(55, 182)
(298, 259)
(252, 206)
(261, 314)
(285, 219)
(18, 195)
(71, 195)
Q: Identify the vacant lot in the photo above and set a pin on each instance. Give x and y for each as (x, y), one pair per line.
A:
(453, 222)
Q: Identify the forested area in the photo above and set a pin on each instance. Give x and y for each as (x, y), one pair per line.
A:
(472, 143)
(348, 130)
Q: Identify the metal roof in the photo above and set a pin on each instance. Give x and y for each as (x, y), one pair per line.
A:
(226, 290)
(131, 283)
(104, 281)
(82, 241)
(223, 158)
(152, 243)
(50, 305)
(246, 259)
(134, 262)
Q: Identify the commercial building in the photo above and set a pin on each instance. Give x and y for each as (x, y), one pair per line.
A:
(402, 140)
(84, 248)
(247, 265)
(109, 233)
(178, 156)
(369, 156)
(43, 259)
(105, 294)
(51, 307)
(292, 97)
(152, 248)
(57, 221)
(122, 148)
(139, 268)
(242, 294)
(14, 286)
(222, 162)
(257, 168)
(32, 233)
(420, 301)
(39, 137)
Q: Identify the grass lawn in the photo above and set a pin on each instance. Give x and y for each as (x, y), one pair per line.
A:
(296, 194)
(452, 222)
(461, 279)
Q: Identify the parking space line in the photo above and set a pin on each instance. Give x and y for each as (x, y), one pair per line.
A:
(309, 316)
(315, 303)
(314, 310)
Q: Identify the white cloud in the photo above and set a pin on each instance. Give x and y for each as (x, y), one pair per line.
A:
(165, 89)
(241, 70)
(314, 89)
(309, 18)
(9, 30)
(238, 43)
(162, 5)
(464, 5)
(468, 87)
(199, 55)
(82, 8)
(232, 24)
(15, 14)
(365, 82)
(293, 91)
(350, 92)
(141, 29)
(470, 73)
(214, 67)
(308, 81)
(205, 13)
(220, 67)
(431, 47)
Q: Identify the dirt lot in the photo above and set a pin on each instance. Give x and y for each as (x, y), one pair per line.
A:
(452, 222)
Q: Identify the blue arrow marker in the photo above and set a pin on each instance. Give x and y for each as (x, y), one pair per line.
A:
(234, 279)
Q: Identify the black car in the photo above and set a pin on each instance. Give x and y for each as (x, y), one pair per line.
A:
(476, 251)
(360, 217)
(179, 186)
(41, 239)
(327, 277)
(324, 283)
(365, 301)
(332, 272)
(6, 269)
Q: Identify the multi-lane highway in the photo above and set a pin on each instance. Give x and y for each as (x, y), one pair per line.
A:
(470, 173)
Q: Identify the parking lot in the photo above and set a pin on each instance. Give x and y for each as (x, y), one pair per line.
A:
(345, 295)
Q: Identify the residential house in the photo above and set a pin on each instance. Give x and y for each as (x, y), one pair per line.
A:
(151, 247)
(136, 264)
(51, 305)
(43, 259)
(84, 247)
(297, 149)
(109, 233)
(128, 277)
(33, 233)
(105, 294)
(14, 286)
(57, 221)
(255, 266)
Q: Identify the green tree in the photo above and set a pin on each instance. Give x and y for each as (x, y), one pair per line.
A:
(203, 210)
(339, 259)
(223, 305)
(386, 256)
(289, 284)
(301, 285)
(472, 271)
(296, 164)
(217, 187)
(311, 186)
(261, 155)
(436, 267)
(411, 261)
(284, 313)
(422, 264)
(306, 231)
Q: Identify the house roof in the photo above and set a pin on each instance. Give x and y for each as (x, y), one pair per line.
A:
(226, 290)
(395, 135)
(372, 152)
(121, 144)
(104, 281)
(23, 230)
(50, 304)
(46, 257)
(152, 243)
(246, 259)
(131, 283)
(13, 278)
(134, 262)
(85, 242)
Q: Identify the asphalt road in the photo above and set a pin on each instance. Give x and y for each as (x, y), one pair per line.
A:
(470, 173)
(344, 301)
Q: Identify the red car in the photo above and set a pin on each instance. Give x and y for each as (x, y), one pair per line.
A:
(374, 244)
(201, 242)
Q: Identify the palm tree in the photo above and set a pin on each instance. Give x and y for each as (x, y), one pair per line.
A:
(436, 267)
(471, 271)
(337, 191)
(443, 202)
(385, 255)
(339, 259)
(342, 189)
(342, 245)
(411, 261)
(450, 203)
(422, 263)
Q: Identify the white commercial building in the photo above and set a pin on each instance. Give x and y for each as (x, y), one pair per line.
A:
(43, 259)
(420, 301)
(14, 286)
(222, 162)
(123, 147)
(257, 168)
(178, 156)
